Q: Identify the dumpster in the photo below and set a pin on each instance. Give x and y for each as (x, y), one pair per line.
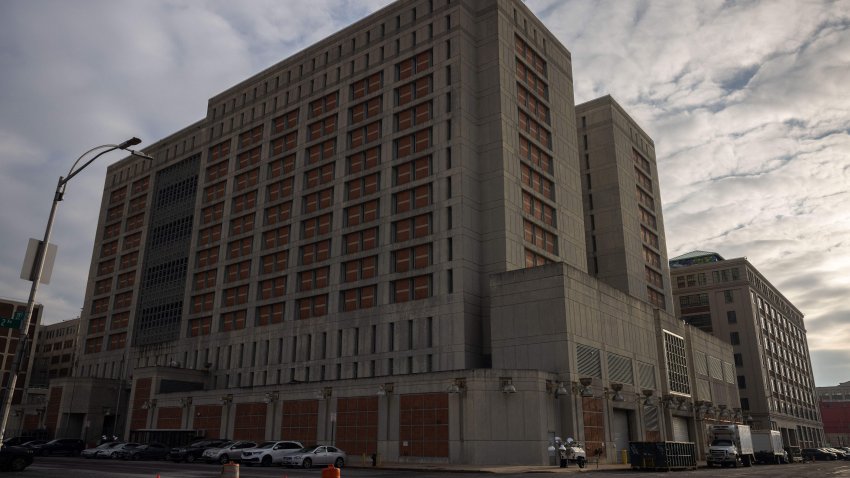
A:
(665, 455)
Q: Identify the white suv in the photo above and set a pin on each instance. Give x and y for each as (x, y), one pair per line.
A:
(230, 451)
(270, 452)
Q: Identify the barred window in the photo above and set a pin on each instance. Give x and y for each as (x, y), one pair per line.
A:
(675, 356)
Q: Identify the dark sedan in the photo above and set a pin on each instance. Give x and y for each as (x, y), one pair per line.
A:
(60, 446)
(151, 451)
(193, 451)
(15, 458)
(817, 454)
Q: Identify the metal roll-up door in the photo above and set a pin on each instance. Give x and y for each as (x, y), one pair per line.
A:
(620, 429)
(680, 429)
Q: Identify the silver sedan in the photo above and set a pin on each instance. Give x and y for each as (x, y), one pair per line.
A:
(316, 455)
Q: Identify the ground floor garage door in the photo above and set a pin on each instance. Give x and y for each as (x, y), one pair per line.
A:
(620, 430)
(680, 429)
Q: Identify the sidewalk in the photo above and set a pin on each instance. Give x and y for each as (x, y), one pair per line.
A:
(497, 469)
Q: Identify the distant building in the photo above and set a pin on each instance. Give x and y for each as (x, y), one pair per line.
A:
(834, 405)
(54, 354)
(380, 242)
(734, 301)
(27, 410)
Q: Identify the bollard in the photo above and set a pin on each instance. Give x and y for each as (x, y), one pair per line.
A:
(230, 470)
(330, 472)
(625, 455)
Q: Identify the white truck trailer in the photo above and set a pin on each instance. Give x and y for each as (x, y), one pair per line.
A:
(731, 445)
(767, 445)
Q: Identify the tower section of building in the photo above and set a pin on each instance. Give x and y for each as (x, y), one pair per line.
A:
(626, 245)
(733, 301)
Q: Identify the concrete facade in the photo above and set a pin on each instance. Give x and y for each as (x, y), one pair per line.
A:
(733, 301)
(54, 352)
(333, 254)
(625, 239)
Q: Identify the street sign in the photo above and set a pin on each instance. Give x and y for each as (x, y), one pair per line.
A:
(13, 322)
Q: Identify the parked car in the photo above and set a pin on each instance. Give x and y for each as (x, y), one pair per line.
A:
(116, 451)
(193, 451)
(817, 454)
(316, 455)
(270, 452)
(151, 451)
(15, 458)
(18, 441)
(92, 452)
(60, 446)
(31, 444)
(230, 451)
(839, 453)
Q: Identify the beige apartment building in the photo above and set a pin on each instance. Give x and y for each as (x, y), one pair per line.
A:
(732, 300)
(380, 243)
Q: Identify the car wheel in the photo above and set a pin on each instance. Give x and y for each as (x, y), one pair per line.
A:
(190, 458)
(339, 462)
(18, 464)
(307, 463)
(45, 452)
(581, 462)
(134, 457)
(223, 459)
(267, 461)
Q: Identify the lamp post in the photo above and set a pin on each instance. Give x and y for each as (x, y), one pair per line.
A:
(39, 265)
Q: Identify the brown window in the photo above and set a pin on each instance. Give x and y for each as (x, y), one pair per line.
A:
(117, 341)
(112, 230)
(362, 186)
(412, 170)
(536, 107)
(102, 286)
(367, 109)
(285, 143)
(132, 241)
(365, 134)
(538, 209)
(114, 213)
(324, 105)
(208, 257)
(139, 203)
(209, 235)
(271, 288)
(216, 171)
(205, 280)
(319, 200)
(411, 288)
(219, 151)
(540, 237)
(129, 260)
(361, 240)
(126, 280)
(276, 237)
(410, 199)
(275, 262)
(246, 180)
(417, 257)
(237, 271)
(315, 252)
(97, 325)
(212, 213)
(123, 300)
(285, 121)
(535, 82)
(109, 249)
(282, 166)
(118, 195)
(316, 226)
(215, 191)
(278, 213)
(318, 176)
(361, 213)
(270, 314)
(536, 156)
(244, 202)
(414, 90)
(534, 129)
(316, 306)
(94, 344)
(235, 296)
(364, 160)
(321, 151)
(413, 65)
(360, 298)
(323, 127)
(414, 227)
(365, 268)
(141, 185)
(242, 224)
(279, 190)
(135, 222)
(200, 326)
(366, 86)
(119, 320)
(537, 182)
(313, 279)
(203, 302)
(233, 320)
(248, 158)
(407, 145)
(410, 117)
(105, 267)
(250, 138)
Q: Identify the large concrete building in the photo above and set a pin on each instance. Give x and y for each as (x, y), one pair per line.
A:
(734, 301)
(834, 405)
(54, 352)
(380, 242)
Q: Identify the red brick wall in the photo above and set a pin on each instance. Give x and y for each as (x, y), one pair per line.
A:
(836, 416)
(52, 415)
(170, 417)
(208, 419)
(424, 425)
(357, 425)
(250, 421)
(139, 417)
(299, 420)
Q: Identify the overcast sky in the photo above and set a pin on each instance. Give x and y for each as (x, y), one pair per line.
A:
(748, 103)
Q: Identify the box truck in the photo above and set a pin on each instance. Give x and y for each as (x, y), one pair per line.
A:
(767, 445)
(731, 445)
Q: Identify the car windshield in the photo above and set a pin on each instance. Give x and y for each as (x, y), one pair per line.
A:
(307, 449)
(721, 443)
(225, 444)
(267, 444)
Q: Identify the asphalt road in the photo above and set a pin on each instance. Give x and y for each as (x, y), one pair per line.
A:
(53, 467)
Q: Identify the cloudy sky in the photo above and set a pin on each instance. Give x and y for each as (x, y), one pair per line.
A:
(748, 103)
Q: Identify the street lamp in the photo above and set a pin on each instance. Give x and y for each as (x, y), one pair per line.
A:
(39, 265)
